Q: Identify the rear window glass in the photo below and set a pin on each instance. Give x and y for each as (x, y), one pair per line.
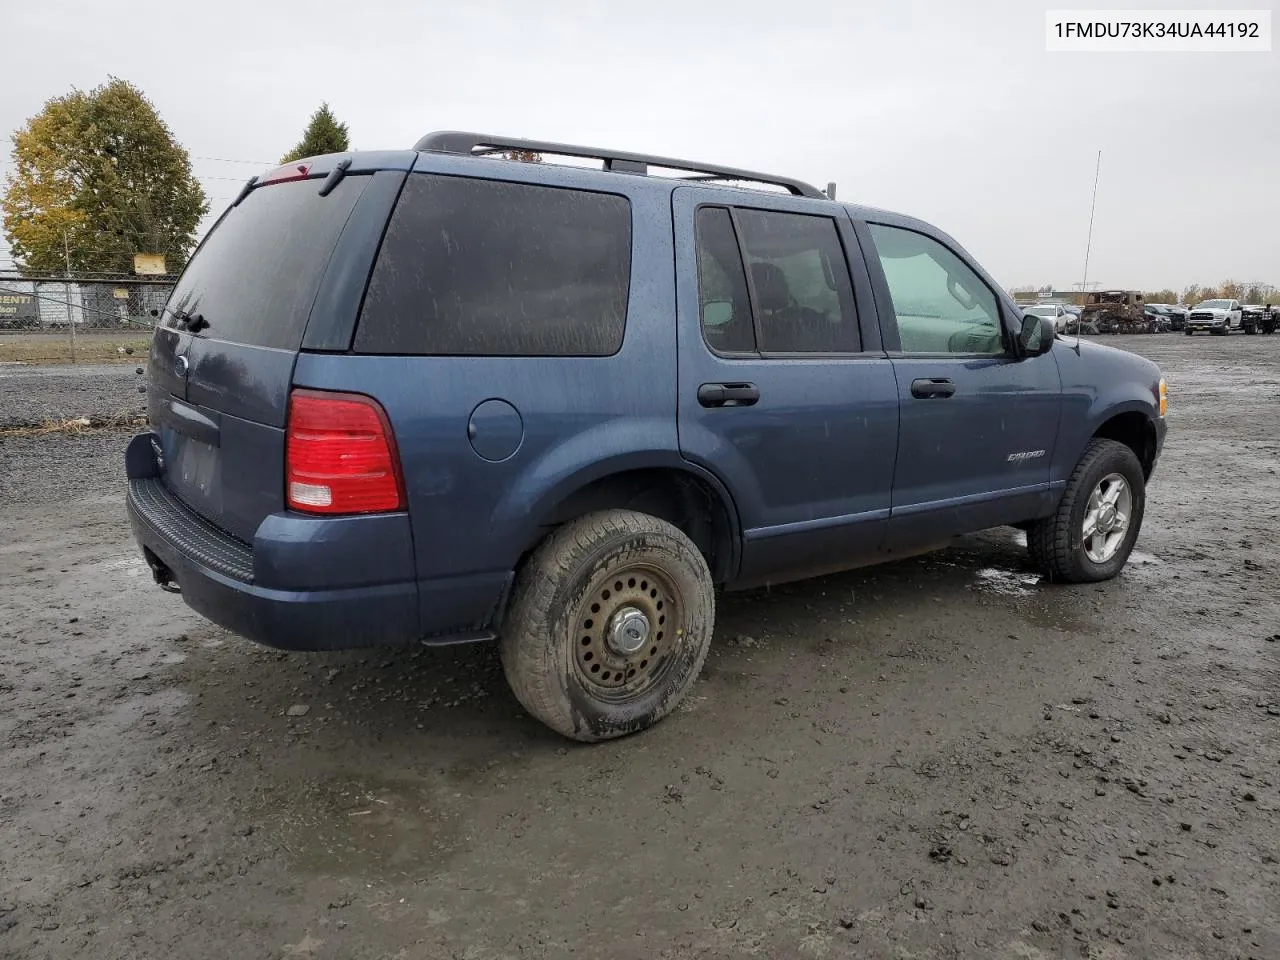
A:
(256, 275)
(483, 267)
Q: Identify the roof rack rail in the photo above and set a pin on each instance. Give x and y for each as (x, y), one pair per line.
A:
(617, 161)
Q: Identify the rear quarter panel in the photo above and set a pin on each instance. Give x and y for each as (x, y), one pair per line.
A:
(581, 417)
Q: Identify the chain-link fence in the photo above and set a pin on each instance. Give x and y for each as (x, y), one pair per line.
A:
(85, 303)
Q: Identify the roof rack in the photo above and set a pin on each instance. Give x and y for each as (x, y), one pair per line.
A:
(617, 161)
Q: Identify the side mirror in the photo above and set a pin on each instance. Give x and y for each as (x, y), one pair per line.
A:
(716, 313)
(1036, 336)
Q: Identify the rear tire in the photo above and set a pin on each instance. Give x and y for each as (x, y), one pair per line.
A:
(609, 625)
(1062, 547)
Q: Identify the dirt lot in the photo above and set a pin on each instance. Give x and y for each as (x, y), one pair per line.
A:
(941, 758)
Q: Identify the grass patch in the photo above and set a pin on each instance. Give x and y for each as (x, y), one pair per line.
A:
(125, 346)
(75, 425)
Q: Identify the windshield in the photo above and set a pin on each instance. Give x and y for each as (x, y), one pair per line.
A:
(1214, 305)
(1042, 311)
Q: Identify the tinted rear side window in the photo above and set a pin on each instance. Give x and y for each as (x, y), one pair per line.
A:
(723, 300)
(483, 267)
(256, 275)
(804, 296)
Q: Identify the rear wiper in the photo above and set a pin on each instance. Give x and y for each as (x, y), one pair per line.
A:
(335, 176)
(193, 322)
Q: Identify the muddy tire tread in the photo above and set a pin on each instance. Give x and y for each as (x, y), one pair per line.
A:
(528, 641)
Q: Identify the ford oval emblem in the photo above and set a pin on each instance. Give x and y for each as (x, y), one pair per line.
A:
(180, 366)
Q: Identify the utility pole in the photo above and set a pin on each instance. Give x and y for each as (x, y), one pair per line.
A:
(71, 320)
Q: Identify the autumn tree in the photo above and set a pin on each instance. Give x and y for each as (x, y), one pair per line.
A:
(324, 134)
(524, 156)
(99, 176)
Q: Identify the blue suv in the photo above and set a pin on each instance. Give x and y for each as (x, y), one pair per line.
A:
(438, 395)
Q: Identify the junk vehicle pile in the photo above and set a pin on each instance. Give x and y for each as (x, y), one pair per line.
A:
(1116, 311)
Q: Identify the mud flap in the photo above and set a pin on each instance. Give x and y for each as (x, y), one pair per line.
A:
(140, 457)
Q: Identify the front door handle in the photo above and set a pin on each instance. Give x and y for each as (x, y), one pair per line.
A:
(935, 387)
(728, 394)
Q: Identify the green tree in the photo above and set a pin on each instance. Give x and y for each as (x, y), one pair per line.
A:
(99, 176)
(324, 134)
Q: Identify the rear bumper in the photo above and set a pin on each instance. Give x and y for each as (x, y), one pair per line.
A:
(305, 583)
(377, 615)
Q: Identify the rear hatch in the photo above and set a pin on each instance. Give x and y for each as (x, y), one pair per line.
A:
(223, 357)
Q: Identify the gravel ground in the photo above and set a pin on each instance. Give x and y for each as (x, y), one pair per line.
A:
(34, 396)
(938, 758)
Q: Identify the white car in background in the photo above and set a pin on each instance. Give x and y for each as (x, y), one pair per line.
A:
(1051, 311)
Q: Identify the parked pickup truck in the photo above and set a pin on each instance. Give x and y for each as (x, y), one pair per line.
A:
(1218, 317)
(1253, 317)
(430, 396)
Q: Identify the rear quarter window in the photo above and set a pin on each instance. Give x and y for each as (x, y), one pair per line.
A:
(255, 277)
(474, 267)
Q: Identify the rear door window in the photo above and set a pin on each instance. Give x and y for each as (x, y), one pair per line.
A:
(475, 267)
(803, 294)
(255, 277)
(800, 297)
(723, 300)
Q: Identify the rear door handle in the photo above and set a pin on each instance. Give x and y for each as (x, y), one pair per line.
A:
(728, 394)
(936, 387)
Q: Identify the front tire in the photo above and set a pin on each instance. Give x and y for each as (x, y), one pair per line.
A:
(1091, 534)
(609, 625)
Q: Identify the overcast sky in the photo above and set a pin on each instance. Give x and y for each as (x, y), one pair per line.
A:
(949, 111)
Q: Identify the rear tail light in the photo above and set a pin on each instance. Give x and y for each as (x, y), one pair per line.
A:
(340, 455)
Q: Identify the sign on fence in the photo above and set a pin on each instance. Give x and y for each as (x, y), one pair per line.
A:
(18, 307)
(148, 264)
